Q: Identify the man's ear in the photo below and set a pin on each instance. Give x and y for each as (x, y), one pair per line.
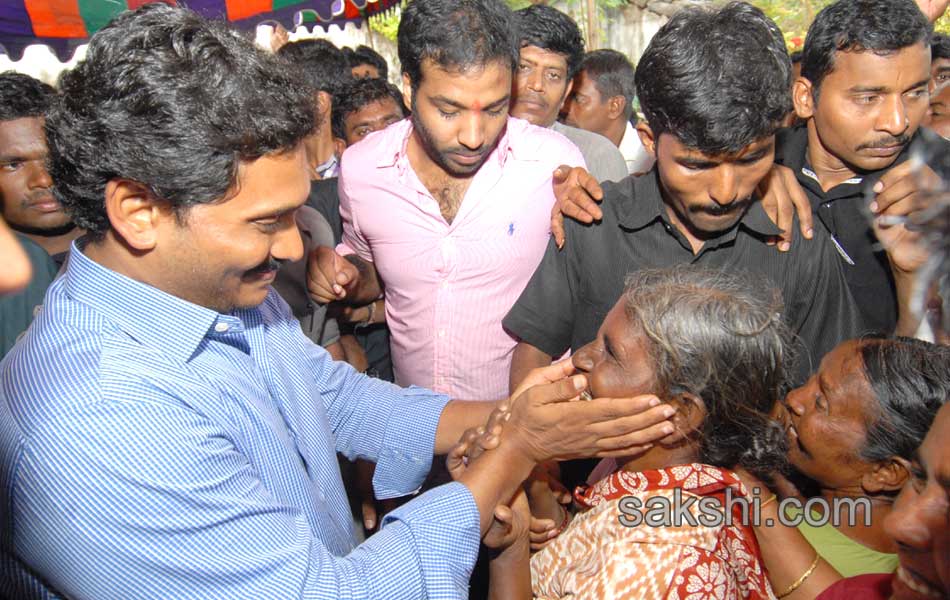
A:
(135, 215)
(339, 147)
(887, 476)
(406, 89)
(689, 417)
(803, 98)
(324, 105)
(615, 107)
(646, 136)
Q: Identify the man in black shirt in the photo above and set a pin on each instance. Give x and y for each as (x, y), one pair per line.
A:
(714, 87)
(863, 94)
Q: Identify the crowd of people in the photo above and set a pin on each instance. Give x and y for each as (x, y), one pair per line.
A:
(274, 327)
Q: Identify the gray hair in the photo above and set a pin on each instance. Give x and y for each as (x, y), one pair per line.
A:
(720, 337)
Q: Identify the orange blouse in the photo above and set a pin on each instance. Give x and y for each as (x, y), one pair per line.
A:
(599, 558)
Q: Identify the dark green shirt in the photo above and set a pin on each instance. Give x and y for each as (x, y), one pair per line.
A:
(17, 310)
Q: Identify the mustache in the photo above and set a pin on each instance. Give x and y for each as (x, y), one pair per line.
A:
(271, 264)
(37, 196)
(717, 211)
(888, 142)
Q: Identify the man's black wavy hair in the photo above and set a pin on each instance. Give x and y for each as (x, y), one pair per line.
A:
(364, 55)
(322, 65)
(879, 26)
(22, 96)
(717, 79)
(174, 102)
(550, 29)
(456, 35)
(357, 95)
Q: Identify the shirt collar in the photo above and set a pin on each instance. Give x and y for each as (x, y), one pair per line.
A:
(646, 206)
(629, 143)
(394, 151)
(147, 314)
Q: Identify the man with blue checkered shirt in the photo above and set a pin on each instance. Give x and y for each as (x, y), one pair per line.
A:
(166, 429)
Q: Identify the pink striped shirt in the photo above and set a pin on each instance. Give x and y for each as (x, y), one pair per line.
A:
(448, 286)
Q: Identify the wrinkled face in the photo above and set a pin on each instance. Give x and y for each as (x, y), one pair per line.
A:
(870, 106)
(225, 255)
(365, 71)
(617, 363)
(920, 521)
(541, 86)
(459, 117)
(25, 186)
(587, 108)
(372, 117)
(825, 420)
(709, 194)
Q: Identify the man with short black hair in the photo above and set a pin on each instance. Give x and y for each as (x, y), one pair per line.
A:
(42, 228)
(26, 197)
(167, 431)
(551, 52)
(713, 85)
(863, 94)
(326, 71)
(366, 63)
(601, 101)
(448, 211)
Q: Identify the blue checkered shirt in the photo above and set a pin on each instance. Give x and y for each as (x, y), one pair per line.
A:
(152, 448)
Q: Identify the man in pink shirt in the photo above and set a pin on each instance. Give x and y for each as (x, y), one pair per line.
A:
(447, 212)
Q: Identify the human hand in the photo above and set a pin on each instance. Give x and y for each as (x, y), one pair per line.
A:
(782, 198)
(548, 499)
(509, 523)
(548, 422)
(577, 193)
(905, 190)
(470, 446)
(329, 275)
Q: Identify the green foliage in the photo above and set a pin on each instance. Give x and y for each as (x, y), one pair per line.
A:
(387, 24)
(793, 17)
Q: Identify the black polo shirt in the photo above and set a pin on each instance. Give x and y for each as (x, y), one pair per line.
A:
(842, 213)
(573, 289)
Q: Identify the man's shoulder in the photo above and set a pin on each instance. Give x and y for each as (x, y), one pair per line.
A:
(375, 150)
(57, 368)
(531, 142)
(582, 137)
(790, 145)
(619, 202)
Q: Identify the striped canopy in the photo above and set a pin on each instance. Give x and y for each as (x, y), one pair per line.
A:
(65, 24)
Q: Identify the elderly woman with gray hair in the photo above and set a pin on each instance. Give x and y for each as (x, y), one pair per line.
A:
(713, 346)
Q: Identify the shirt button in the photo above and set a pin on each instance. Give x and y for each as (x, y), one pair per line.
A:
(221, 327)
(441, 333)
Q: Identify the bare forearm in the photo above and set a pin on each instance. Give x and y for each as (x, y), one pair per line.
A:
(525, 358)
(494, 477)
(907, 320)
(788, 555)
(457, 416)
(367, 288)
(510, 573)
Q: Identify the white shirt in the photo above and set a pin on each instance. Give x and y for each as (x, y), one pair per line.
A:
(637, 158)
